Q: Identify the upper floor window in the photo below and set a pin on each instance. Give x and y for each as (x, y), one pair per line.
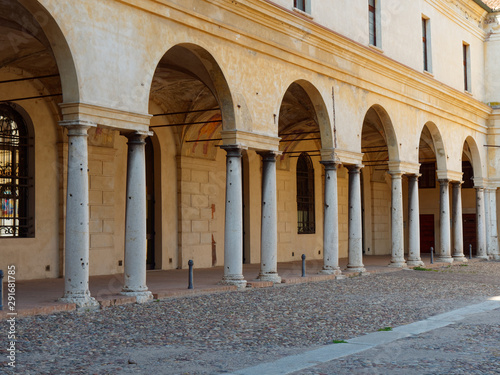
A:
(426, 44)
(16, 210)
(466, 58)
(303, 5)
(305, 195)
(374, 22)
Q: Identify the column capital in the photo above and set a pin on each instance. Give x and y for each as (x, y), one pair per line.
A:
(269, 156)
(233, 150)
(414, 176)
(138, 137)
(455, 183)
(443, 181)
(396, 174)
(77, 127)
(354, 168)
(330, 164)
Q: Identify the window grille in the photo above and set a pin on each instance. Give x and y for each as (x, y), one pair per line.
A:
(305, 195)
(300, 4)
(427, 179)
(14, 175)
(373, 22)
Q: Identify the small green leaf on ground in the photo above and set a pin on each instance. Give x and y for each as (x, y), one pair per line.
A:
(339, 342)
(385, 329)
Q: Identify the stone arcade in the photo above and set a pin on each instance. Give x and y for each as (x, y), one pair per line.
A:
(140, 134)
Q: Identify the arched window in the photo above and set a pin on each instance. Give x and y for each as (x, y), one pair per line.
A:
(16, 218)
(305, 195)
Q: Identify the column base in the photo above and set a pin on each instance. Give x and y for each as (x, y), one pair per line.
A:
(460, 258)
(239, 281)
(271, 276)
(444, 259)
(140, 297)
(415, 263)
(331, 271)
(495, 256)
(485, 257)
(81, 300)
(360, 269)
(397, 264)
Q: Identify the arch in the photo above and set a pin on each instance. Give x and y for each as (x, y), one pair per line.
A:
(41, 17)
(436, 143)
(475, 158)
(384, 127)
(319, 111)
(195, 61)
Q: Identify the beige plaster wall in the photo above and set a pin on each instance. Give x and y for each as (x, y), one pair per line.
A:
(32, 255)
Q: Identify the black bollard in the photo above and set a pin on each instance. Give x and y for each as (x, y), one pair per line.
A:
(190, 264)
(1, 290)
(303, 265)
(432, 255)
(470, 251)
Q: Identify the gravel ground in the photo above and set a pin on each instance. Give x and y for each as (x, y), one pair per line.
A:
(217, 333)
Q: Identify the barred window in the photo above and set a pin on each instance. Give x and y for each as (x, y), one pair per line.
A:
(305, 195)
(15, 182)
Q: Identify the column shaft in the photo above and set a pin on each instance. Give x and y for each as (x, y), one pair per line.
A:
(444, 223)
(77, 242)
(493, 223)
(269, 221)
(487, 226)
(331, 221)
(233, 228)
(397, 228)
(458, 242)
(355, 244)
(414, 259)
(481, 230)
(135, 221)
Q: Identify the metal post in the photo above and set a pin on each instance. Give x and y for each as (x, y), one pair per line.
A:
(432, 255)
(470, 251)
(1, 290)
(190, 264)
(303, 265)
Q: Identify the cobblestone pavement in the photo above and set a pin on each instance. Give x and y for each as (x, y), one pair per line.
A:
(217, 333)
(468, 347)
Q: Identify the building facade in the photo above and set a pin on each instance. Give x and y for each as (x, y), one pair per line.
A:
(139, 134)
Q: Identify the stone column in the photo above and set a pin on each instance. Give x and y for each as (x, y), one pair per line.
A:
(493, 224)
(233, 228)
(134, 283)
(444, 223)
(414, 259)
(458, 240)
(480, 219)
(355, 244)
(77, 242)
(487, 227)
(331, 221)
(269, 221)
(397, 229)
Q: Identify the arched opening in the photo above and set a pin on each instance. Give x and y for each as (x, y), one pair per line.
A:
(304, 129)
(191, 105)
(428, 189)
(379, 146)
(36, 72)
(471, 170)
